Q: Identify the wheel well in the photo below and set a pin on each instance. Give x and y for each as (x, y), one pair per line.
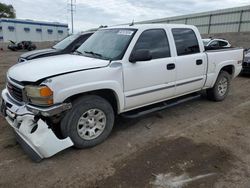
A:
(107, 94)
(229, 69)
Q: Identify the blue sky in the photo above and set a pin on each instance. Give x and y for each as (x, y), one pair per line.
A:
(93, 13)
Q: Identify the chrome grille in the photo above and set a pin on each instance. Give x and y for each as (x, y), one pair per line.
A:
(15, 91)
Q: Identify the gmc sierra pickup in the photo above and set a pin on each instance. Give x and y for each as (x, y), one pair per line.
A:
(118, 70)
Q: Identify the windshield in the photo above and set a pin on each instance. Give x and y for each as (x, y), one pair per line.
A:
(108, 44)
(65, 42)
(206, 41)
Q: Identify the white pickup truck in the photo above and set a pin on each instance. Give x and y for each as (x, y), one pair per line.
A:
(118, 70)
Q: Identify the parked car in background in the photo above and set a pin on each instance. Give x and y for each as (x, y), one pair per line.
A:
(118, 70)
(246, 62)
(23, 45)
(65, 46)
(216, 43)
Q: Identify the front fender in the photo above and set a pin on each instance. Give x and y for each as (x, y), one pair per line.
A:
(63, 94)
(65, 86)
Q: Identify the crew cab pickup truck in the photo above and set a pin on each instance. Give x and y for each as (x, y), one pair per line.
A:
(118, 70)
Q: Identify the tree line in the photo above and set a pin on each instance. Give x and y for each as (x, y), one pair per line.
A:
(7, 11)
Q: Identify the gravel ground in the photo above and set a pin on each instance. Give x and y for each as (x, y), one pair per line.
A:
(196, 144)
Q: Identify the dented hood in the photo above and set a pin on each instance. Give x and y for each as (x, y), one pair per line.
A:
(37, 69)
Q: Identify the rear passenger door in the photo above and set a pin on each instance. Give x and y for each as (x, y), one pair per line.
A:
(150, 81)
(190, 61)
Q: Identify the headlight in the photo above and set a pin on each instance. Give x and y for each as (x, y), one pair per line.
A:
(39, 95)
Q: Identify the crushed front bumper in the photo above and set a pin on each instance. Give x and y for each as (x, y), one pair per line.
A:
(35, 136)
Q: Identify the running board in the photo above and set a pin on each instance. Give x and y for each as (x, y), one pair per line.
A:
(160, 106)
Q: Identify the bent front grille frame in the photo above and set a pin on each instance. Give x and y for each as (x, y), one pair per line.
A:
(15, 90)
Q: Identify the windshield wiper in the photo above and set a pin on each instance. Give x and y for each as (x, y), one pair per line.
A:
(77, 52)
(96, 54)
(93, 53)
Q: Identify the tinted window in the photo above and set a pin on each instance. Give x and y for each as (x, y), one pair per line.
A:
(155, 41)
(185, 41)
(222, 43)
(214, 44)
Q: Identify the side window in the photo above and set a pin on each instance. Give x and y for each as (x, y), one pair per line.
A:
(185, 41)
(222, 43)
(154, 40)
(214, 44)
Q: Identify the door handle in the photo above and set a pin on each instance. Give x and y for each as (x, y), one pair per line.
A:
(199, 62)
(170, 66)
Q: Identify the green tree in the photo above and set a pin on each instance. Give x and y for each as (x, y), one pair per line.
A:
(7, 11)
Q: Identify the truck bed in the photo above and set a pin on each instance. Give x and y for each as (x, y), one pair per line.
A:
(220, 58)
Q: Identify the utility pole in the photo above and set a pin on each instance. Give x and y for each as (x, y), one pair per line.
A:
(72, 10)
(72, 18)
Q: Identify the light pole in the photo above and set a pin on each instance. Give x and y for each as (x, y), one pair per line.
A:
(72, 17)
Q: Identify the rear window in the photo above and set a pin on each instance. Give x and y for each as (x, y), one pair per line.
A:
(185, 41)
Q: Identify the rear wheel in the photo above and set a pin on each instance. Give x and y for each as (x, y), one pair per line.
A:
(89, 122)
(221, 87)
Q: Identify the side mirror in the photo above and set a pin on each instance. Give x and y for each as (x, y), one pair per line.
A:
(140, 55)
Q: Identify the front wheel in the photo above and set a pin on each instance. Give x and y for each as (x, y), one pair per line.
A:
(89, 122)
(221, 87)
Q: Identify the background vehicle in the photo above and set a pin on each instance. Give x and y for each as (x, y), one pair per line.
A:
(216, 43)
(23, 45)
(246, 63)
(118, 70)
(65, 46)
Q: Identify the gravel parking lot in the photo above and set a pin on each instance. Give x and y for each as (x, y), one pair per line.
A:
(196, 144)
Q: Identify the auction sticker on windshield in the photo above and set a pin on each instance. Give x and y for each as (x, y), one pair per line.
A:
(125, 32)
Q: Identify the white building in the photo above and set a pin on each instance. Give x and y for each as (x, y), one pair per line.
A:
(36, 31)
(219, 21)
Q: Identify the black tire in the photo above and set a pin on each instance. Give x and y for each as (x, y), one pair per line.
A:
(213, 93)
(69, 123)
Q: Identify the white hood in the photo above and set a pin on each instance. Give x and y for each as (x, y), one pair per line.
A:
(37, 69)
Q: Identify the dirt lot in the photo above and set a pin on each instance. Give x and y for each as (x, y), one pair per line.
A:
(196, 144)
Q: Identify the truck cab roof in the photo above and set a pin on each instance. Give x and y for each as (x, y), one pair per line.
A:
(150, 26)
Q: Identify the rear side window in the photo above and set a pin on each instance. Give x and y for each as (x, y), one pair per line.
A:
(222, 43)
(214, 44)
(185, 41)
(154, 40)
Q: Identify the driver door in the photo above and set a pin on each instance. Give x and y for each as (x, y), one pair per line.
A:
(151, 81)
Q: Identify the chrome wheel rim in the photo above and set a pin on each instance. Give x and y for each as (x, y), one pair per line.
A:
(91, 124)
(223, 86)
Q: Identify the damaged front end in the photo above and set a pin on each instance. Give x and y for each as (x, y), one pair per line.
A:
(34, 134)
